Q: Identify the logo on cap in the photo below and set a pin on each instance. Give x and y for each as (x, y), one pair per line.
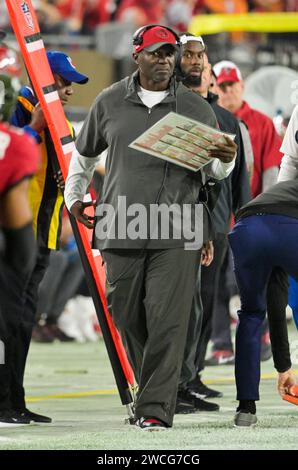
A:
(71, 62)
(162, 33)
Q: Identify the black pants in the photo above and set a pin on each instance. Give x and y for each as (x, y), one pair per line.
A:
(200, 322)
(209, 292)
(11, 310)
(188, 369)
(18, 308)
(221, 322)
(149, 295)
(277, 301)
(59, 284)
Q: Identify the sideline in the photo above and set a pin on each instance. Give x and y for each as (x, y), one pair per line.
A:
(112, 392)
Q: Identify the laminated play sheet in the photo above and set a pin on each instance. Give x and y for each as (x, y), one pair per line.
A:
(180, 140)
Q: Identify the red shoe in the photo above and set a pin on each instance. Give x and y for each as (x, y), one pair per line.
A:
(151, 424)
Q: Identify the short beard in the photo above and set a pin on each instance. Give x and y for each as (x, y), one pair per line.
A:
(189, 80)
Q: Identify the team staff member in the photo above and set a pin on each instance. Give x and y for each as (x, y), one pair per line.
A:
(264, 138)
(266, 160)
(268, 229)
(150, 282)
(46, 202)
(19, 159)
(289, 170)
(195, 71)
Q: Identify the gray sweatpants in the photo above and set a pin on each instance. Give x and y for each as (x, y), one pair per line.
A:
(149, 295)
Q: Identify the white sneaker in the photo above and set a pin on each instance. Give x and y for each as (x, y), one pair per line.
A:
(86, 318)
(67, 322)
(234, 306)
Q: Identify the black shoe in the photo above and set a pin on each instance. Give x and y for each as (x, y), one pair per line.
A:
(40, 334)
(10, 417)
(184, 405)
(33, 417)
(191, 398)
(199, 387)
(55, 331)
(203, 405)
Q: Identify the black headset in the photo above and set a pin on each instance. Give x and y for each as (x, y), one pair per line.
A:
(137, 38)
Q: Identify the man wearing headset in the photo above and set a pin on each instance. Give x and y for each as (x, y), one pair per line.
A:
(194, 70)
(150, 280)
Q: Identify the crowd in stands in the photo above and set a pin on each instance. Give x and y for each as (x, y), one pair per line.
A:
(83, 16)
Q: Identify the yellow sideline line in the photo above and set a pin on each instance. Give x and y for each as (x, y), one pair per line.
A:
(58, 396)
(253, 22)
(93, 393)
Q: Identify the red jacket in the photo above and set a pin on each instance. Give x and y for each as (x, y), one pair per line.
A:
(19, 156)
(265, 143)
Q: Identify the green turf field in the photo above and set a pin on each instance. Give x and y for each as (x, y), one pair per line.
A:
(73, 384)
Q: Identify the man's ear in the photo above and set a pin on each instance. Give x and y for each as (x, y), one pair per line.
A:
(135, 57)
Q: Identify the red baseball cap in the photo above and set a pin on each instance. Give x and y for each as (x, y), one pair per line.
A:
(154, 38)
(227, 71)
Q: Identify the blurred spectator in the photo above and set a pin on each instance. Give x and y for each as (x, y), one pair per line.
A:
(71, 13)
(4, 21)
(95, 12)
(226, 6)
(140, 12)
(179, 13)
(199, 7)
(79, 320)
(264, 139)
(59, 284)
(291, 5)
(268, 5)
(10, 63)
(48, 15)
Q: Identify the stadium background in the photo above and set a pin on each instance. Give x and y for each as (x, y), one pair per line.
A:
(73, 382)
